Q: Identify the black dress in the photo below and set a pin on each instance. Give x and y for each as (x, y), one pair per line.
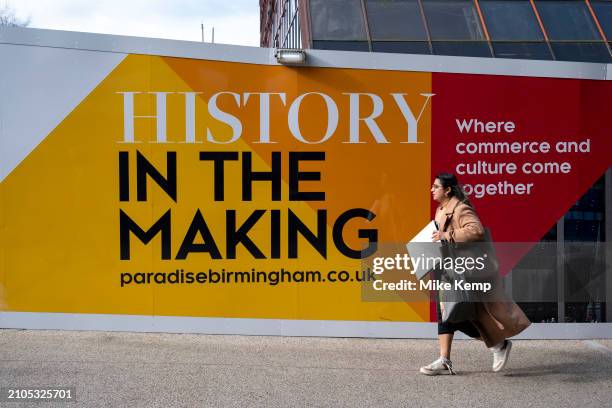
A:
(466, 327)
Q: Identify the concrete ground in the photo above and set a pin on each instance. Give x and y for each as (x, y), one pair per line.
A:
(142, 369)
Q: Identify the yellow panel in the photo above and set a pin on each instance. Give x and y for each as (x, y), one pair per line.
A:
(61, 250)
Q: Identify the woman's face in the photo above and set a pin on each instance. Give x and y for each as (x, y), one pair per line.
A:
(437, 191)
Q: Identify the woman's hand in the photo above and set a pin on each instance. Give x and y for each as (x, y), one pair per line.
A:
(437, 236)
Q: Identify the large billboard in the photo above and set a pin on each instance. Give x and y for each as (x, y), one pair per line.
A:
(146, 185)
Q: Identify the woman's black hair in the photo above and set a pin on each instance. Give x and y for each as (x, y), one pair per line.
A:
(450, 180)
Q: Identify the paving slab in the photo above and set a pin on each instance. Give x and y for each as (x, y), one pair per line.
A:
(109, 369)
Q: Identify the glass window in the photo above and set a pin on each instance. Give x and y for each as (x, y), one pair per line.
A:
(341, 45)
(584, 265)
(462, 48)
(337, 20)
(395, 20)
(511, 20)
(567, 20)
(585, 221)
(541, 312)
(403, 47)
(452, 20)
(603, 11)
(536, 51)
(536, 276)
(586, 52)
(585, 312)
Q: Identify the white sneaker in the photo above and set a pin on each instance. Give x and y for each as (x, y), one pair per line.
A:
(440, 366)
(500, 357)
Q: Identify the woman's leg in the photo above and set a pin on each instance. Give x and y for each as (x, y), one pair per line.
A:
(442, 365)
(446, 331)
(445, 341)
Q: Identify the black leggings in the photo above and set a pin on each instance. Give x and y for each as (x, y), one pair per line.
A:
(466, 327)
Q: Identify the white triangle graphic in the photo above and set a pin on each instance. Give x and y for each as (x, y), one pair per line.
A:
(39, 87)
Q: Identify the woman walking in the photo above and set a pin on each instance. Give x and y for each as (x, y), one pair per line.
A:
(494, 321)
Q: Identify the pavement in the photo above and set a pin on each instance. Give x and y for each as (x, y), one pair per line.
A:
(112, 369)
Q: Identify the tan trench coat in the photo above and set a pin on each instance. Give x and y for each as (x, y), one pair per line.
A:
(496, 320)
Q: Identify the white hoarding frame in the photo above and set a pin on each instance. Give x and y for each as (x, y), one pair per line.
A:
(123, 45)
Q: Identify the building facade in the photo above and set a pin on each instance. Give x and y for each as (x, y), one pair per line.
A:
(578, 30)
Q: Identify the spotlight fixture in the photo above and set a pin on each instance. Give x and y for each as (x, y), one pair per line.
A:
(290, 56)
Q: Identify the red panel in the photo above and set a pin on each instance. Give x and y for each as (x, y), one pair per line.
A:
(542, 109)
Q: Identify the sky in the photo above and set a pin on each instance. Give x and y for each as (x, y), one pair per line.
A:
(235, 21)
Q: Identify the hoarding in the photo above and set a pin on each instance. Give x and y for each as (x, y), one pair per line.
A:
(152, 185)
